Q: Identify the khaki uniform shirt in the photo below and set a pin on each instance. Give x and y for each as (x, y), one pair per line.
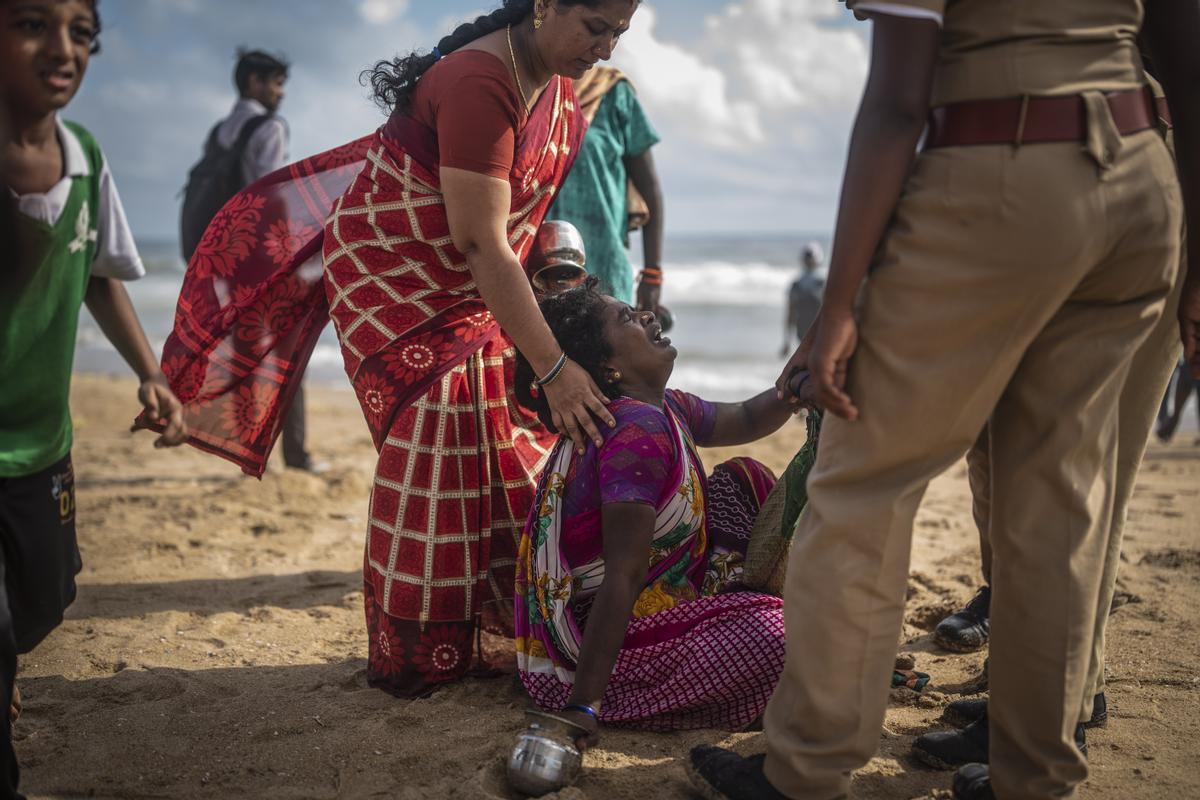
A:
(1009, 48)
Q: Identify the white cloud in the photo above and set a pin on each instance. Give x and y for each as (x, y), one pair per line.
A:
(678, 85)
(753, 103)
(787, 54)
(382, 11)
(754, 114)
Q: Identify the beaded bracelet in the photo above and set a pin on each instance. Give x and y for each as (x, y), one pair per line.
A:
(652, 276)
(548, 379)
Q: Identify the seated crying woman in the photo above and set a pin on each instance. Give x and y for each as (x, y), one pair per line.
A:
(628, 602)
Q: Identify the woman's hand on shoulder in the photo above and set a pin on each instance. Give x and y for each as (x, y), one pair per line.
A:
(576, 404)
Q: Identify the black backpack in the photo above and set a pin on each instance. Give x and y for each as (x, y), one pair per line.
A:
(215, 178)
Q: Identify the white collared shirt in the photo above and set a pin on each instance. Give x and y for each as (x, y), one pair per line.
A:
(897, 9)
(267, 149)
(116, 252)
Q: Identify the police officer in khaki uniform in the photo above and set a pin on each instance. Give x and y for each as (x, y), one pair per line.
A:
(1149, 374)
(1017, 265)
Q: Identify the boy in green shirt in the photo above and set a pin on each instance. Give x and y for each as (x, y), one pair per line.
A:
(75, 247)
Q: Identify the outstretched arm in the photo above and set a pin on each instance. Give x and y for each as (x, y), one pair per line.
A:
(109, 303)
(751, 420)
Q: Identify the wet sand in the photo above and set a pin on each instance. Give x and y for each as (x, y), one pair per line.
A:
(217, 646)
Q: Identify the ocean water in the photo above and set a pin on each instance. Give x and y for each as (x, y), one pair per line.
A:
(727, 294)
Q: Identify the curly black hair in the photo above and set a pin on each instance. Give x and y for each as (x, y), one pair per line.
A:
(393, 81)
(576, 318)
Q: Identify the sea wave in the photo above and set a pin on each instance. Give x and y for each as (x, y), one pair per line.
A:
(726, 283)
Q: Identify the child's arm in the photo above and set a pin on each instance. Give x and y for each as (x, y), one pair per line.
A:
(109, 303)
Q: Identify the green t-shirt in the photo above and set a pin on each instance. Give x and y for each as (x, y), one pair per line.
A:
(594, 197)
(38, 325)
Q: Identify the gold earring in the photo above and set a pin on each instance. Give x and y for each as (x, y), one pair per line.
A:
(616, 377)
(537, 21)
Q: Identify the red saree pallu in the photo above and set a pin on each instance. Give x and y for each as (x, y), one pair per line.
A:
(252, 306)
(458, 458)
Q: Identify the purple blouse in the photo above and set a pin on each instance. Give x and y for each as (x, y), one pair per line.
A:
(633, 464)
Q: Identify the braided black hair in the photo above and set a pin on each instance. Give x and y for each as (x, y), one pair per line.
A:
(393, 81)
(576, 318)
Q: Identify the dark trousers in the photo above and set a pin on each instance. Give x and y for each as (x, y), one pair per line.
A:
(39, 559)
(294, 454)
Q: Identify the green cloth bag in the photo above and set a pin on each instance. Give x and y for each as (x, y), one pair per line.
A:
(765, 569)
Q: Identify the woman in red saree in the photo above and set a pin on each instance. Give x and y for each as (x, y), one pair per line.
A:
(431, 220)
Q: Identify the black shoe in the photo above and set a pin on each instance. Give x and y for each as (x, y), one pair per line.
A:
(303, 462)
(1099, 712)
(966, 631)
(951, 749)
(972, 782)
(720, 774)
(962, 713)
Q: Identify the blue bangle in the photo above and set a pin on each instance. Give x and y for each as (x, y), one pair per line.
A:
(553, 373)
(580, 707)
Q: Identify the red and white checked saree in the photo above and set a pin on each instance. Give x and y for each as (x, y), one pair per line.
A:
(458, 458)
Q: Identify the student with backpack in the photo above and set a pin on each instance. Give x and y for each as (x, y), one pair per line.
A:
(75, 247)
(246, 145)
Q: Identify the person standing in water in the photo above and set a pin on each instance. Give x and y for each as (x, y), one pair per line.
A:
(804, 296)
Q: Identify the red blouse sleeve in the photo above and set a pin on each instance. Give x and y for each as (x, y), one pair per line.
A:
(469, 100)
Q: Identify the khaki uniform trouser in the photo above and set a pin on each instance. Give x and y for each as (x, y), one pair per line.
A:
(1149, 376)
(1015, 284)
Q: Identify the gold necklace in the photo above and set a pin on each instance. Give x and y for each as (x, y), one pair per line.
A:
(516, 72)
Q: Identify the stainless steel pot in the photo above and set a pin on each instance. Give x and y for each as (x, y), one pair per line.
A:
(545, 758)
(557, 261)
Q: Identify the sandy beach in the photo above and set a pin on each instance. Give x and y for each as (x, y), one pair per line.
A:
(217, 645)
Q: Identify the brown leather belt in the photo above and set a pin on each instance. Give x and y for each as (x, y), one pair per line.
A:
(1030, 120)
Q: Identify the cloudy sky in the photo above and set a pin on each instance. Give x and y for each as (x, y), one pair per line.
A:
(753, 98)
